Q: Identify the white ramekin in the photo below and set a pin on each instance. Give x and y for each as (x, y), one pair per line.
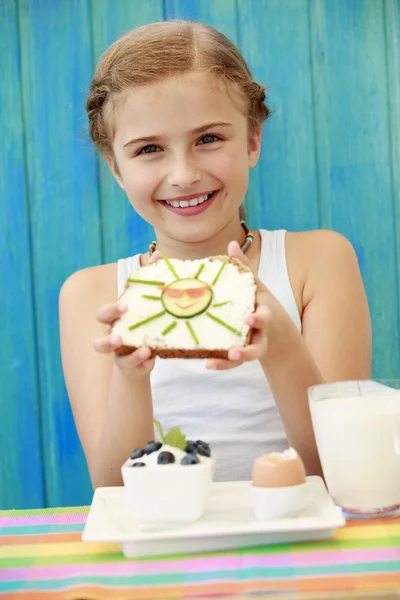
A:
(168, 493)
(279, 502)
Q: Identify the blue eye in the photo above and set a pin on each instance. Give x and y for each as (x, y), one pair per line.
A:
(209, 138)
(150, 149)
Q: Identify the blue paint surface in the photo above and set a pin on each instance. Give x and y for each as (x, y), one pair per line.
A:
(330, 159)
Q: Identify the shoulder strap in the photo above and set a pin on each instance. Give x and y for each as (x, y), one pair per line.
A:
(125, 268)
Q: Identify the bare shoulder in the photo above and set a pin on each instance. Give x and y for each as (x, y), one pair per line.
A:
(87, 373)
(321, 239)
(318, 245)
(97, 284)
(315, 256)
(81, 296)
(328, 286)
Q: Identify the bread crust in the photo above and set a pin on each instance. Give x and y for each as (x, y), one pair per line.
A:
(182, 353)
(199, 353)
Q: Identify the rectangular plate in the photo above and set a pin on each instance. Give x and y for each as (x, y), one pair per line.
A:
(227, 523)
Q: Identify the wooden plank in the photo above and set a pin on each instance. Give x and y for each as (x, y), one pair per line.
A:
(360, 176)
(320, 112)
(392, 39)
(221, 14)
(124, 232)
(56, 67)
(275, 40)
(20, 448)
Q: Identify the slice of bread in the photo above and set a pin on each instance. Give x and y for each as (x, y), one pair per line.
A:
(187, 308)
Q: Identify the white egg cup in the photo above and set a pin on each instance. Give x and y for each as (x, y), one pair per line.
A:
(168, 493)
(279, 502)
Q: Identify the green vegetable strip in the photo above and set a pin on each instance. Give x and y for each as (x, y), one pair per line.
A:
(221, 303)
(199, 271)
(151, 297)
(219, 273)
(171, 268)
(221, 322)
(192, 333)
(169, 328)
(148, 282)
(136, 325)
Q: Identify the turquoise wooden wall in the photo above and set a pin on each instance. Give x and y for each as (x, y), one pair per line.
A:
(331, 159)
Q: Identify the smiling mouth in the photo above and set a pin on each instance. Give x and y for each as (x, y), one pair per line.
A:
(185, 306)
(193, 202)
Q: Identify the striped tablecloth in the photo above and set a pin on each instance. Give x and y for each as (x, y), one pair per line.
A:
(42, 557)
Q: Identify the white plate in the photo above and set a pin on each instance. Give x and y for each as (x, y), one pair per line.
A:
(228, 523)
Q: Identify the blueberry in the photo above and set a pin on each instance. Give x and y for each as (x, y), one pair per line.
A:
(152, 447)
(164, 458)
(203, 444)
(204, 452)
(203, 448)
(191, 447)
(190, 459)
(138, 464)
(137, 453)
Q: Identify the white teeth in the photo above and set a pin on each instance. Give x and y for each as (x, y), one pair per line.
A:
(186, 203)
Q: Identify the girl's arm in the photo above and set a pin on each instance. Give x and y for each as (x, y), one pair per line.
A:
(111, 402)
(127, 425)
(335, 343)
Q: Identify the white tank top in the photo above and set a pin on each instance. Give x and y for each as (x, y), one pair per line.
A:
(234, 411)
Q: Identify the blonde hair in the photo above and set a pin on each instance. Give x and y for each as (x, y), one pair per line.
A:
(154, 52)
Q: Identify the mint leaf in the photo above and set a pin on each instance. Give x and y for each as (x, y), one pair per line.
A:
(160, 429)
(175, 438)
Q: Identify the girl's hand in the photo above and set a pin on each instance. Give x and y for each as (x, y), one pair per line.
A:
(137, 364)
(259, 321)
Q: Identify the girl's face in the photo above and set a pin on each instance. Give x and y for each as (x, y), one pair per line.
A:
(182, 152)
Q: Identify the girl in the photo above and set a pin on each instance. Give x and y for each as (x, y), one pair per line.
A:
(176, 114)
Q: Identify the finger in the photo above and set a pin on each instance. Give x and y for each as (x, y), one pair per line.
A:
(108, 313)
(259, 336)
(147, 363)
(253, 351)
(137, 359)
(220, 364)
(234, 251)
(155, 256)
(259, 319)
(107, 343)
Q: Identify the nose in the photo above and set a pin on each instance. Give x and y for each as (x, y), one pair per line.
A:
(183, 172)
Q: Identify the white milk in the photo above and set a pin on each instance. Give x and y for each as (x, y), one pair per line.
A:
(358, 441)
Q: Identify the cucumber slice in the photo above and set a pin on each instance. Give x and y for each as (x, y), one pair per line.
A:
(186, 298)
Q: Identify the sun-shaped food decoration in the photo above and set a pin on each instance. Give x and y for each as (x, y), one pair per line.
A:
(187, 309)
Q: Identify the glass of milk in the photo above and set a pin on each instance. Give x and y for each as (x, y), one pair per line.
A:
(357, 430)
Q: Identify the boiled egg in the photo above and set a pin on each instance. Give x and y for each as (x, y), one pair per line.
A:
(279, 469)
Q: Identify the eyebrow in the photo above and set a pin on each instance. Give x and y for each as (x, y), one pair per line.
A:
(153, 138)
